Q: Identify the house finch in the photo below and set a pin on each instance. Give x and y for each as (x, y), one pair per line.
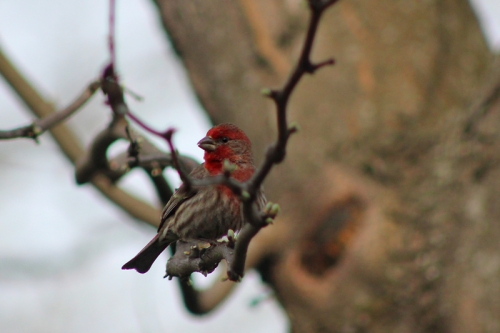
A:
(207, 212)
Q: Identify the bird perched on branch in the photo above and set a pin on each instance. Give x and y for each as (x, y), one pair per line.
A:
(205, 212)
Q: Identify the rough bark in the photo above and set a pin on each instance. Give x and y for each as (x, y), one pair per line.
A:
(390, 192)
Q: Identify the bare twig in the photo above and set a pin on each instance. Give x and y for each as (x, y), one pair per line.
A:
(71, 147)
(39, 126)
(175, 160)
(95, 159)
(141, 153)
(160, 160)
(116, 101)
(40, 107)
(111, 37)
(114, 92)
(276, 153)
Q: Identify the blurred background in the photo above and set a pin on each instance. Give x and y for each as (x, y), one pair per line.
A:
(62, 246)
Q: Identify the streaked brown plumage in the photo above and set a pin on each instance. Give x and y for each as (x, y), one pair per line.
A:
(207, 212)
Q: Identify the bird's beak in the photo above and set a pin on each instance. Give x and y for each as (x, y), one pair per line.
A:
(207, 144)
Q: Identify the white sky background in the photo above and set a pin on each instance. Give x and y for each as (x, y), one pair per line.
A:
(62, 246)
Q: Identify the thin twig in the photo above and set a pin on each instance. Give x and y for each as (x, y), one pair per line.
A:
(39, 126)
(111, 37)
(162, 160)
(70, 145)
(276, 152)
(95, 159)
(116, 101)
(40, 107)
(114, 92)
(175, 160)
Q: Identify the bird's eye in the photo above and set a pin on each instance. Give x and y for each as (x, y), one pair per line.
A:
(224, 139)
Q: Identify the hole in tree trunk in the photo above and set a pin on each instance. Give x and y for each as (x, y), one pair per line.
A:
(331, 234)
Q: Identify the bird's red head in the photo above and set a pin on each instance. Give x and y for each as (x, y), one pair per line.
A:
(226, 142)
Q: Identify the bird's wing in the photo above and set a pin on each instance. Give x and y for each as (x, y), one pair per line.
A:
(181, 195)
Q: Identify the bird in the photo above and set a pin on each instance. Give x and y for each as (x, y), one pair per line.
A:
(206, 212)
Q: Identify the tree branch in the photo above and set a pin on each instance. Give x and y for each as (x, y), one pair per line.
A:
(276, 152)
(39, 126)
(183, 263)
(71, 147)
(38, 106)
(111, 37)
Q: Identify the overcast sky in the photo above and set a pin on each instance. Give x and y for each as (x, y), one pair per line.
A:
(62, 246)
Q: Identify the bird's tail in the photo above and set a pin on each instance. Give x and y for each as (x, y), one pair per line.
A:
(143, 261)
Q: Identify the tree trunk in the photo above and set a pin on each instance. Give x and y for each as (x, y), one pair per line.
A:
(389, 193)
